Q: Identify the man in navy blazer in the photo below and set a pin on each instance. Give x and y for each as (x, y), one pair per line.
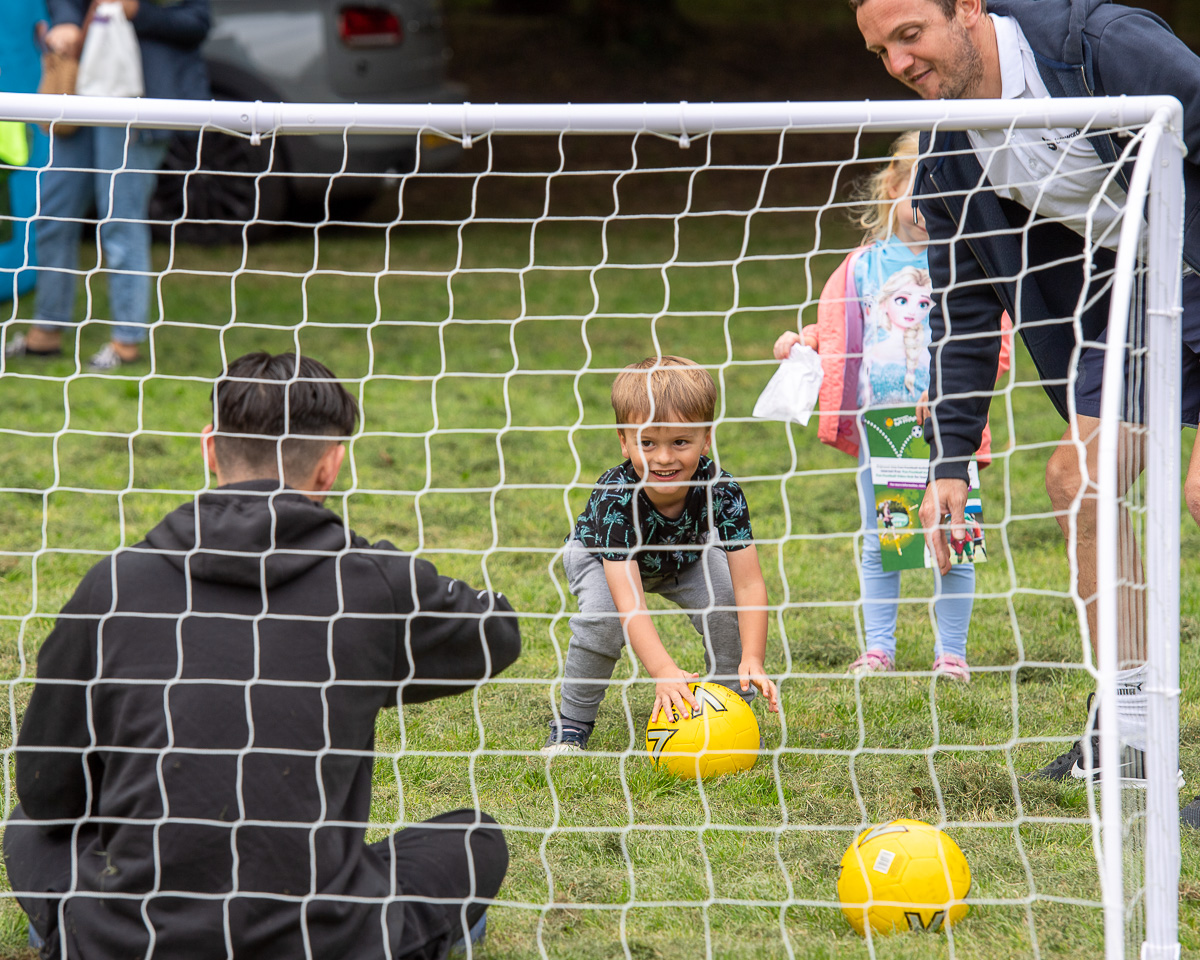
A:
(1019, 239)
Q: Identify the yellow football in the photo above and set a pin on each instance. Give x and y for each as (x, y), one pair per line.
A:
(903, 875)
(720, 737)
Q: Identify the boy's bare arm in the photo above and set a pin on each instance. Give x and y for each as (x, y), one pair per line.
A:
(672, 692)
(750, 595)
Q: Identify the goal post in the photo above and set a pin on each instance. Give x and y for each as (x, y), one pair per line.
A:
(479, 385)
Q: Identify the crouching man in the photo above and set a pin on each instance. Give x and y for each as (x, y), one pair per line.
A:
(194, 767)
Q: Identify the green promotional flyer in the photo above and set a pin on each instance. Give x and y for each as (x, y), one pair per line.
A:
(900, 472)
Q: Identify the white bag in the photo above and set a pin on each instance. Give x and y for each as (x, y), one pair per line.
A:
(791, 394)
(111, 62)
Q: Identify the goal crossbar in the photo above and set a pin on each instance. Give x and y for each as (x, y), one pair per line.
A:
(667, 119)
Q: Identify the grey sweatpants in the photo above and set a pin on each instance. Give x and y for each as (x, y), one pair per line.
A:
(597, 638)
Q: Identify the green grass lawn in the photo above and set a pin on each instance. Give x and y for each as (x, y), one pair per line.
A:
(482, 357)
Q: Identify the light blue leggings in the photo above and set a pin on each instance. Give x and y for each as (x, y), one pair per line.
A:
(954, 593)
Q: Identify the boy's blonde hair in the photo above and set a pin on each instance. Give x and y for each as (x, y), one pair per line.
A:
(678, 389)
(875, 207)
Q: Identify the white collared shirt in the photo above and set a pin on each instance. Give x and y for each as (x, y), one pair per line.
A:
(1053, 172)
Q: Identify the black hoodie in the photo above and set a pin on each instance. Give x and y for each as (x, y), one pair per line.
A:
(216, 687)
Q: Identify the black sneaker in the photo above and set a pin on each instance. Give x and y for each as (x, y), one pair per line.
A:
(1064, 767)
(566, 736)
(1076, 765)
(1189, 816)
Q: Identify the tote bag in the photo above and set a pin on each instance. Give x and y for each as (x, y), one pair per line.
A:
(111, 62)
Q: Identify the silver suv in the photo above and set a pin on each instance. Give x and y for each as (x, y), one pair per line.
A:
(326, 51)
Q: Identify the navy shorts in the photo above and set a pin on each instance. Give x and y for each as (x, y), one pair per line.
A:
(1091, 367)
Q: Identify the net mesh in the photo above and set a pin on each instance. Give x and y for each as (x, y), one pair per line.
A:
(479, 314)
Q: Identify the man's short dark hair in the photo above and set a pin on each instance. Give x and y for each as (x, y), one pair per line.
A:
(273, 397)
(948, 6)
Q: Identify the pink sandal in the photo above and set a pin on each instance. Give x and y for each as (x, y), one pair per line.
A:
(952, 667)
(873, 661)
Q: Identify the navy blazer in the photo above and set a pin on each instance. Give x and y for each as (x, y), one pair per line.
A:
(1083, 48)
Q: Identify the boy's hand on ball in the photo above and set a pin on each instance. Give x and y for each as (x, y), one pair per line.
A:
(751, 671)
(674, 698)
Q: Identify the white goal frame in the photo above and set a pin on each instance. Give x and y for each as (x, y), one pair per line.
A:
(1156, 187)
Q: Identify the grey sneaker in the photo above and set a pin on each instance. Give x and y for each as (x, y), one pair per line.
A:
(566, 736)
(105, 360)
(18, 346)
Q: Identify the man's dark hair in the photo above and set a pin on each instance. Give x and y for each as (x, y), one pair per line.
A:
(948, 6)
(269, 396)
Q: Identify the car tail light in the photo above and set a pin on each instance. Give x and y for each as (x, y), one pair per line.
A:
(369, 27)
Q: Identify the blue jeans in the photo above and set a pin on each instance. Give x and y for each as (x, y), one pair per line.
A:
(954, 592)
(97, 164)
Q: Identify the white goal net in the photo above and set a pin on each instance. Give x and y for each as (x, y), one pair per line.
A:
(479, 314)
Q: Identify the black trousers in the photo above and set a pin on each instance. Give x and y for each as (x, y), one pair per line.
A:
(456, 858)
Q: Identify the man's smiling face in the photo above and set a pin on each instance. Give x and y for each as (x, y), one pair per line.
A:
(922, 48)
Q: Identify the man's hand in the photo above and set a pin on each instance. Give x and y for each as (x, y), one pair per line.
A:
(751, 671)
(923, 408)
(65, 39)
(942, 497)
(673, 697)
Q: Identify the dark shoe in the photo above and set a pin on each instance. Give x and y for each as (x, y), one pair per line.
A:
(566, 736)
(1063, 767)
(1189, 816)
(18, 346)
(1082, 762)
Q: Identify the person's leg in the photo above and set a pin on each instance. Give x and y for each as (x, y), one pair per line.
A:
(705, 591)
(1191, 386)
(1191, 486)
(39, 867)
(880, 588)
(1071, 484)
(597, 639)
(458, 858)
(953, 601)
(64, 193)
(124, 183)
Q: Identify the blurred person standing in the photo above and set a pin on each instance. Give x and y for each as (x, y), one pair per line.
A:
(23, 147)
(116, 168)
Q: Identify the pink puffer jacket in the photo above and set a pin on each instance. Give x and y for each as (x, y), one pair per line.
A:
(839, 343)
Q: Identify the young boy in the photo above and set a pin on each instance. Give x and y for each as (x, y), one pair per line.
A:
(665, 521)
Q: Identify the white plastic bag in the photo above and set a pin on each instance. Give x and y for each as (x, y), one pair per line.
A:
(111, 62)
(791, 394)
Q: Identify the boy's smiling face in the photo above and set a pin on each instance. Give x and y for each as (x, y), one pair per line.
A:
(665, 457)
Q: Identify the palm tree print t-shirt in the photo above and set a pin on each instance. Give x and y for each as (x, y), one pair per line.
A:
(619, 520)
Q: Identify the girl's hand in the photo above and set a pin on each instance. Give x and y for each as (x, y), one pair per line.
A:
(674, 697)
(751, 671)
(131, 8)
(787, 340)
